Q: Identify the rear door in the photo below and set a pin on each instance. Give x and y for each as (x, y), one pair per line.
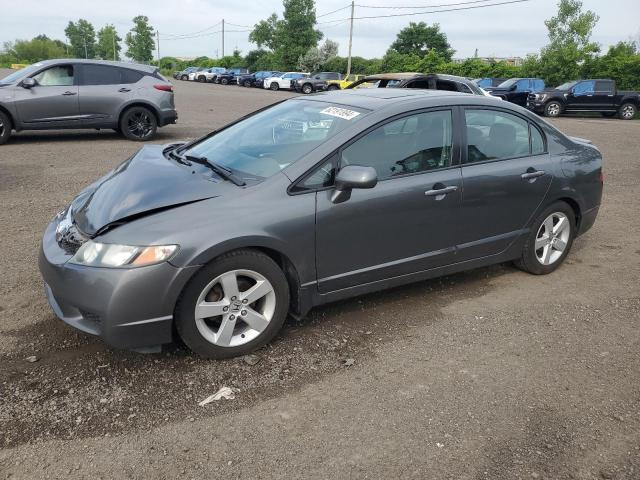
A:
(409, 221)
(603, 96)
(53, 100)
(103, 89)
(506, 174)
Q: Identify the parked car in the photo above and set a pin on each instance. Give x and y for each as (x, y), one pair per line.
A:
(184, 74)
(316, 82)
(72, 93)
(430, 81)
(309, 201)
(249, 79)
(488, 82)
(259, 81)
(207, 74)
(344, 83)
(600, 95)
(517, 90)
(283, 81)
(231, 76)
(191, 76)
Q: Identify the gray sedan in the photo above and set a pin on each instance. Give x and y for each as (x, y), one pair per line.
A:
(310, 201)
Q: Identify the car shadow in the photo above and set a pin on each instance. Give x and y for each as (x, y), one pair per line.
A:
(34, 137)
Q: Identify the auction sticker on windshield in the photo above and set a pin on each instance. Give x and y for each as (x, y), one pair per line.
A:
(343, 113)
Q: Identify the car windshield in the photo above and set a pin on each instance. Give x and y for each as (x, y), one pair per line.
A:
(20, 73)
(508, 83)
(566, 86)
(265, 143)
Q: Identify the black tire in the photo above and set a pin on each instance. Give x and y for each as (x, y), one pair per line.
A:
(238, 260)
(224, 81)
(138, 124)
(275, 86)
(552, 109)
(202, 79)
(529, 260)
(184, 77)
(307, 88)
(5, 127)
(627, 111)
(333, 87)
(247, 83)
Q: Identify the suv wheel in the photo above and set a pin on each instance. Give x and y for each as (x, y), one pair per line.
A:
(333, 86)
(550, 240)
(224, 81)
(233, 305)
(627, 111)
(139, 124)
(274, 86)
(5, 127)
(202, 79)
(247, 83)
(552, 109)
(184, 77)
(307, 88)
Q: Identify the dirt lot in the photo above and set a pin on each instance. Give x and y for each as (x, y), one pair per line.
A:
(490, 374)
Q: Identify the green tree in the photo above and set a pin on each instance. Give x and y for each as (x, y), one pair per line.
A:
(317, 57)
(420, 38)
(570, 43)
(139, 40)
(108, 46)
(30, 51)
(82, 39)
(292, 36)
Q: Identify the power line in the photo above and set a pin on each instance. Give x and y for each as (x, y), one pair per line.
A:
(396, 7)
(192, 33)
(333, 11)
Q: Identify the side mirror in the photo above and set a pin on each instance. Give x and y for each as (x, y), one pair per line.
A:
(28, 83)
(350, 177)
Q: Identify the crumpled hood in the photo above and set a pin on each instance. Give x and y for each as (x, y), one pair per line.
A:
(145, 183)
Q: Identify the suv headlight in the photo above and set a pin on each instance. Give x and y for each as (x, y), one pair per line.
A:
(541, 96)
(95, 254)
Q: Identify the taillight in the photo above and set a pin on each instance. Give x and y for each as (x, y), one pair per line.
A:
(164, 87)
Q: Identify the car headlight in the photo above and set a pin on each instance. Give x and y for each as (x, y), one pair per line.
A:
(95, 254)
(541, 96)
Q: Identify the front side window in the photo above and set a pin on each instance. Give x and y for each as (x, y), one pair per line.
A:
(522, 85)
(59, 76)
(584, 88)
(411, 144)
(265, 143)
(494, 135)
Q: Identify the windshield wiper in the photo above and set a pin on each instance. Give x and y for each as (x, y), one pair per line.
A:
(224, 172)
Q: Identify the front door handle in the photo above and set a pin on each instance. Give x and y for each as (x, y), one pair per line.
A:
(440, 192)
(124, 90)
(67, 93)
(531, 174)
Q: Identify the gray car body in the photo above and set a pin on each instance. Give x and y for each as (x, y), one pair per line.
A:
(386, 236)
(84, 106)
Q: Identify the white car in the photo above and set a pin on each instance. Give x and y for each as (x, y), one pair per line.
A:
(284, 80)
(206, 75)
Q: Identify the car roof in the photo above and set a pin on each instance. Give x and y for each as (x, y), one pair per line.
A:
(393, 76)
(134, 66)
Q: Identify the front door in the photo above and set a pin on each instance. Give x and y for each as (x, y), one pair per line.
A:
(581, 96)
(53, 100)
(506, 175)
(408, 221)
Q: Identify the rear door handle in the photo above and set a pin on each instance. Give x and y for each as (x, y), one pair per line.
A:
(124, 90)
(532, 174)
(440, 193)
(69, 93)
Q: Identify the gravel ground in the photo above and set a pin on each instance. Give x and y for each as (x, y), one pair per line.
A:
(489, 374)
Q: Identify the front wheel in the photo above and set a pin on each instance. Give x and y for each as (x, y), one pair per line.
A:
(5, 127)
(549, 241)
(138, 124)
(202, 79)
(628, 111)
(233, 305)
(274, 86)
(333, 87)
(247, 83)
(307, 88)
(224, 81)
(184, 77)
(552, 109)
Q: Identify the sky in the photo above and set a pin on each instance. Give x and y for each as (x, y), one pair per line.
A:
(502, 31)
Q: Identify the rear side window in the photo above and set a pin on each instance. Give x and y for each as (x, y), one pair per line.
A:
(464, 88)
(537, 142)
(100, 75)
(418, 84)
(494, 135)
(604, 86)
(131, 76)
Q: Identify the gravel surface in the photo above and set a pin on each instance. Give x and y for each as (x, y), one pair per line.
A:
(489, 374)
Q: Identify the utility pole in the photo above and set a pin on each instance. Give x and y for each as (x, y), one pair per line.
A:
(85, 47)
(223, 37)
(114, 44)
(350, 40)
(158, 43)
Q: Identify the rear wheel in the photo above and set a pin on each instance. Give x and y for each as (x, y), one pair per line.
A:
(550, 240)
(202, 79)
(333, 87)
(552, 109)
(274, 86)
(247, 83)
(627, 111)
(5, 127)
(184, 77)
(224, 81)
(233, 305)
(139, 124)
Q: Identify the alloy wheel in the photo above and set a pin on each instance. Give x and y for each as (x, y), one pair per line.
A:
(628, 112)
(553, 110)
(552, 238)
(235, 308)
(2, 127)
(140, 124)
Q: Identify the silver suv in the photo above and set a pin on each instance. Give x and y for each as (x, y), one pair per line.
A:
(129, 98)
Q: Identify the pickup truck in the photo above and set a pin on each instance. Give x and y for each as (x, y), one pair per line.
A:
(599, 95)
(517, 90)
